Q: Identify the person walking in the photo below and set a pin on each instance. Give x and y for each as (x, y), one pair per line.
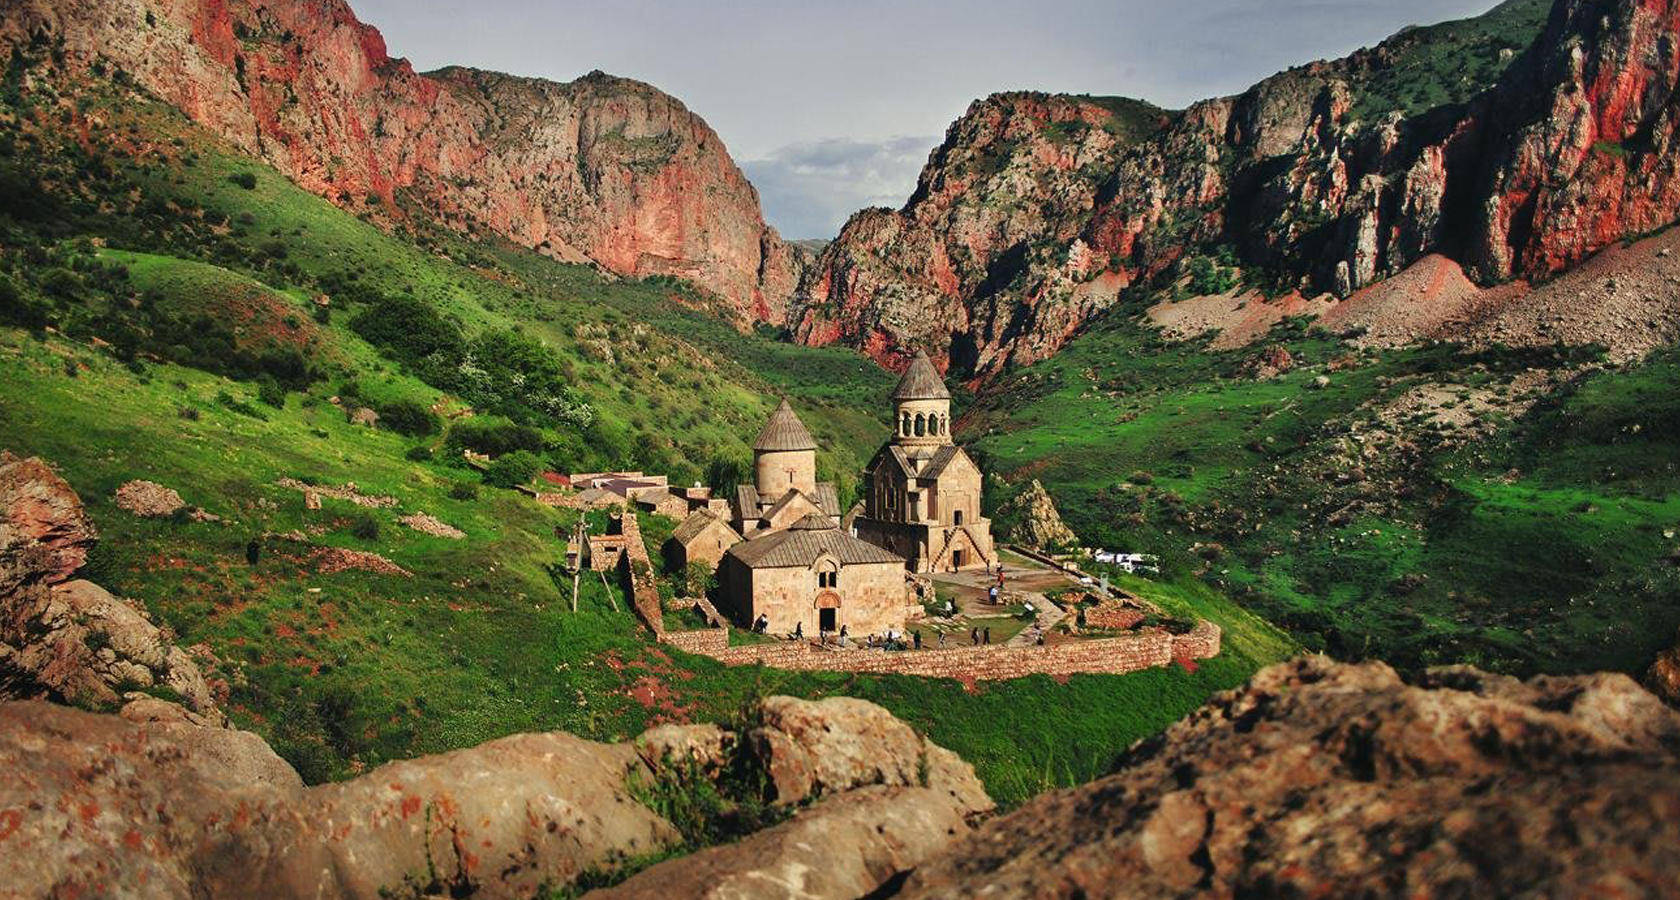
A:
(986, 635)
(918, 639)
(974, 636)
(941, 639)
(799, 631)
(843, 635)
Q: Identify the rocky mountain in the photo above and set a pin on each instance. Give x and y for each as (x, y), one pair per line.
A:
(601, 169)
(1516, 145)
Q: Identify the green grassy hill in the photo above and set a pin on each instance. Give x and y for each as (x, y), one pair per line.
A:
(1480, 526)
(172, 311)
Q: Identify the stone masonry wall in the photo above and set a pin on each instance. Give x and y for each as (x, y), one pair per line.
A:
(706, 642)
(1108, 656)
(638, 571)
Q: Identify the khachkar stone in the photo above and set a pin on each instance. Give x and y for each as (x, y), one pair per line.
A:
(921, 491)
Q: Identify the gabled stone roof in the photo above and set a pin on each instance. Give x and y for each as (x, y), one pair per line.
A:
(696, 525)
(921, 381)
(784, 431)
(932, 467)
(801, 545)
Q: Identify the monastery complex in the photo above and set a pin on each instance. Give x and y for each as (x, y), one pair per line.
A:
(782, 554)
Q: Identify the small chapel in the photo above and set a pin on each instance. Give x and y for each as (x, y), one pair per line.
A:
(921, 491)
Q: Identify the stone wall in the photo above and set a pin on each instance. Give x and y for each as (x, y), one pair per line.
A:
(1108, 656)
(706, 642)
(637, 570)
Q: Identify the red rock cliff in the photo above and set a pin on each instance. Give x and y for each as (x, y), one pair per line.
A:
(604, 169)
(1554, 139)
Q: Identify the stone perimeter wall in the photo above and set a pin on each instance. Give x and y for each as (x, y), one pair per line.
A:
(637, 569)
(1106, 656)
(706, 642)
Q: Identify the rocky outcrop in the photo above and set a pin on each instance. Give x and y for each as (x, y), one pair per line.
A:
(98, 806)
(45, 534)
(823, 747)
(1038, 211)
(601, 169)
(71, 640)
(156, 804)
(840, 849)
(1034, 520)
(1664, 675)
(1325, 779)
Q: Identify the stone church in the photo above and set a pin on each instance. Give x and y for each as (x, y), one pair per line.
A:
(785, 487)
(783, 555)
(921, 491)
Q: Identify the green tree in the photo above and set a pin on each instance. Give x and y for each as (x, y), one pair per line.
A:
(513, 469)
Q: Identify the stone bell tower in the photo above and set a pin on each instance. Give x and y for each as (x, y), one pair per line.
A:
(921, 406)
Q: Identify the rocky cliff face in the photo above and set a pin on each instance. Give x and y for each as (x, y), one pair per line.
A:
(1037, 211)
(603, 169)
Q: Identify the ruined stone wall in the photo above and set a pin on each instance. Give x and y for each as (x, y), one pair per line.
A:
(637, 570)
(1108, 656)
(707, 641)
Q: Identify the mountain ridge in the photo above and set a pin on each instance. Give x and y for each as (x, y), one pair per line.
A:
(601, 169)
(1320, 180)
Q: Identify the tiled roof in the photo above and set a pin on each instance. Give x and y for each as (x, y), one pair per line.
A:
(921, 381)
(784, 431)
(811, 537)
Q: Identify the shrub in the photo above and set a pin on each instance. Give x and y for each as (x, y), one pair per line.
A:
(365, 527)
(15, 310)
(494, 436)
(419, 453)
(513, 469)
(270, 392)
(409, 330)
(463, 490)
(246, 180)
(407, 417)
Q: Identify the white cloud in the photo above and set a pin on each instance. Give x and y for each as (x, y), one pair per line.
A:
(808, 189)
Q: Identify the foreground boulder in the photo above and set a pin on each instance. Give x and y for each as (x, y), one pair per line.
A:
(1328, 780)
(1664, 675)
(840, 849)
(813, 748)
(71, 640)
(155, 804)
(99, 806)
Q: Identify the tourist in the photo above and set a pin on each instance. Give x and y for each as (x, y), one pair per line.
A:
(992, 595)
(986, 635)
(974, 636)
(843, 635)
(950, 608)
(1039, 637)
(799, 631)
(941, 638)
(918, 635)
(763, 623)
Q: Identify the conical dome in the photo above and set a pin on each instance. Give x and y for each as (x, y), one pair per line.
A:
(784, 431)
(921, 381)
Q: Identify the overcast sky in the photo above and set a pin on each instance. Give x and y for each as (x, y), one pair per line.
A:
(832, 105)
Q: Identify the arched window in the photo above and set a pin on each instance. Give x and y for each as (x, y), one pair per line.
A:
(944, 424)
(828, 575)
(921, 425)
(904, 425)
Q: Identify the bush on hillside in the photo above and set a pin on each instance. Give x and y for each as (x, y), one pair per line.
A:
(409, 330)
(365, 527)
(407, 417)
(419, 453)
(246, 180)
(493, 436)
(270, 392)
(463, 490)
(15, 310)
(513, 469)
